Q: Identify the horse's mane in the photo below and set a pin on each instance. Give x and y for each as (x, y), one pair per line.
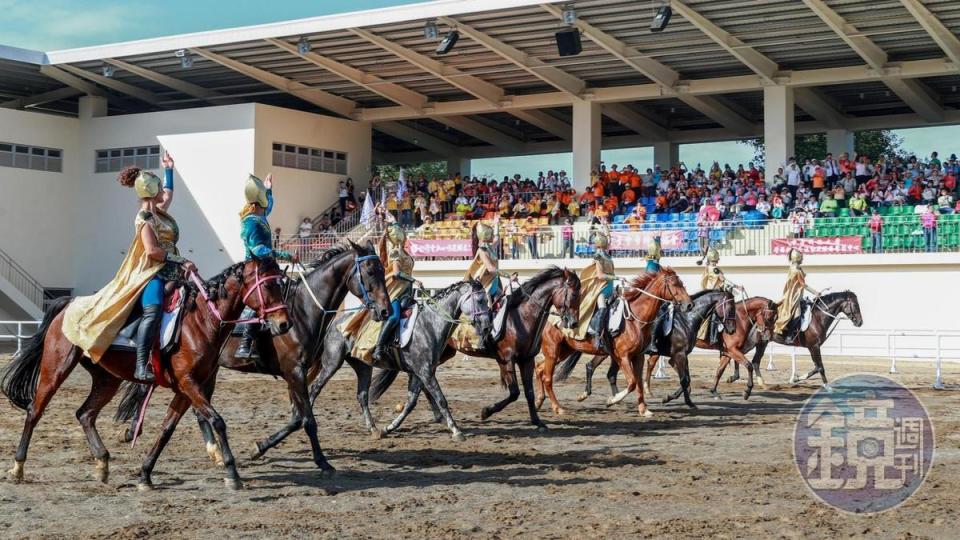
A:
(532, 284)
(454, 286)
(643, 281)
(333, 252)
(704, 292)
(839, 295)
(215, 286)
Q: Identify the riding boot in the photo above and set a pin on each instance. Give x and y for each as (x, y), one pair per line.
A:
(146, 339)
(247, 340)
(380, 353)
(599, 323)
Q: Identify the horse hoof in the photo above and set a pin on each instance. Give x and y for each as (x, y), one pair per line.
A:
(827, 388)
(559, 411)
(645, 413)
(715, 395)
(144, 486)
(458, 436)
(542, 428)
(692, 406)
(233, 484)
(746, 395)
(760, 382)
(484, 413)
(258, 453)
(731, 379)
(103, 470)
(327, 471)
(583, 396)
(16, 473)
(377, 433)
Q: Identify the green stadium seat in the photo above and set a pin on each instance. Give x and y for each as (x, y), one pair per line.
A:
(844, 212)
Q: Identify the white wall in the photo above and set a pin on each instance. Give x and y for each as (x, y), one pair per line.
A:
(298, 193)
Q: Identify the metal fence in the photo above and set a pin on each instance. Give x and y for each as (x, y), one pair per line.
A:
(17, 331)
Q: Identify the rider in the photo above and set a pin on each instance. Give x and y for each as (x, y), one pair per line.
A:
(713, 279)
(605, 278)
(258, 241)
(653, 255)
(400, 284)
(792, 293)
(92, 322)
(485, 267)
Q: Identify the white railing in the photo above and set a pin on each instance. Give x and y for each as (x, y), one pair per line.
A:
(15, 331)
(21, 280)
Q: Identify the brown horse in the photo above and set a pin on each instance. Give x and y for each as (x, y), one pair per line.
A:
(644, 296)
(754, 319)
(36, 374)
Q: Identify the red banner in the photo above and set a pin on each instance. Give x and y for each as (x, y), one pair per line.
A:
(639, 240)
(828, 246)
(439, 248)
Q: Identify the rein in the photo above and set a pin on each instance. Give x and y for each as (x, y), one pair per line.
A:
(257, 286)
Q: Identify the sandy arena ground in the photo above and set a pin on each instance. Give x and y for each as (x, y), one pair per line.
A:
(724, 471)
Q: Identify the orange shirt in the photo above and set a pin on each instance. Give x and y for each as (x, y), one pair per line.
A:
(635, 180)
(587, 197)
(610, 204)
(598, 190)
(818, 179)
(613, 176)
(629, 196)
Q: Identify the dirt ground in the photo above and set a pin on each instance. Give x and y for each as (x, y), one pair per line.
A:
(725, 470)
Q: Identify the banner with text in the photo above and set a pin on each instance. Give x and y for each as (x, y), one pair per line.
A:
(439, 248)
(817, 246)
(639, 240)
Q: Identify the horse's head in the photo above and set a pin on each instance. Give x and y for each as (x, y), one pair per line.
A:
(726, 310)
(851, 308)
(263, 292)
(764, 316)
(566, 299)
(367, 282)
(474, 303)
(669, 286)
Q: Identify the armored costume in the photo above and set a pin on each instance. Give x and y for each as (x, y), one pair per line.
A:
(399, 288)
(713, 279)
(792, 293)
(478, 270)
(653, 255)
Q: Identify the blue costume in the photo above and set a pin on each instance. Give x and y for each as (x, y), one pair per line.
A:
(167, 235)
(653, 256)
(257, 236)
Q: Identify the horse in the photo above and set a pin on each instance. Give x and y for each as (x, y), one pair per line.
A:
(528, 307)
(643, 299)
(676, 345)
(827, 310)
(348, 267)
(48, 358)
(438, 316)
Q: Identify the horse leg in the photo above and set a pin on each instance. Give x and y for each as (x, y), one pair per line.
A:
(194, 393)
(104, 386)
(546, 380)
(437, 415)
(414, 387)
(588, 385)
(364, 374)
(209, 440)
(736, 370)
(724, 360)
(425, 372)
(742, 360)
(526, 375)
(636, 365)
(175, 411)
(648, 373)
(539, 383)
(818, 361)
(508, 374)
(612, 373)
(55, 367)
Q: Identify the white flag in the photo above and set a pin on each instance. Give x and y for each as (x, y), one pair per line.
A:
(367, 215)
(401, 184)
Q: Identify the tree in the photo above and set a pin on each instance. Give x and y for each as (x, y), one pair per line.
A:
(429, 169)
(872, 143)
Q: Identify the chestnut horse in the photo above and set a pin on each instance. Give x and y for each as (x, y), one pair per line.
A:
(48, 358)
(528, 307)
(644, 297)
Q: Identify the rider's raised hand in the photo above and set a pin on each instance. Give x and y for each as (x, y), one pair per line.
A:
(189, 267)
(167, 160)
(268, 181)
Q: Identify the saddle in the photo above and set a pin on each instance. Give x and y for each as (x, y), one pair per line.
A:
(801, 322)
(170, 323)
(369, 334)
(618, 316)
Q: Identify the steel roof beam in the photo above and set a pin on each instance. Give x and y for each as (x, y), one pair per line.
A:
(475, 86)
(635, 121)
(72, 81)
(416, 137)
(394, 92)
(819, 107)
(179, 85)
(482, 132)
(316, 96)
(760, 64)
(40, 99)
(559, 79)
(938, 31)
(119, 86)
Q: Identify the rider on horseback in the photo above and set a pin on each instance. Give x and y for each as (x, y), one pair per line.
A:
(258, 239)
(792, 293)
(485, 267)
(605, 277)
(653, 255)
(400, 284)
(92, 322)
(713, 279)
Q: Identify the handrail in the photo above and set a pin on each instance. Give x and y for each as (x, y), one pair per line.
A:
(21, 280)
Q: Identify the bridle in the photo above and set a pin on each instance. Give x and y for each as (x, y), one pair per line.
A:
(368, 302)
(566, 306)
(475, 313)
(722, 304)
(262, 311)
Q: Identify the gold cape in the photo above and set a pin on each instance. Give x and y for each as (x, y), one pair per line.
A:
(591, 287)
(712, 279)
(792, 293)
(92, 322)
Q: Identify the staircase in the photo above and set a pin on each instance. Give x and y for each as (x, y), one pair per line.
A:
(20, 287)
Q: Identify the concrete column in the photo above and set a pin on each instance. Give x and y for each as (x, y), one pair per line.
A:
(586, 142)
(777, 128)
(92, 107)
(840, 141)
(666, 154)
(457, 164)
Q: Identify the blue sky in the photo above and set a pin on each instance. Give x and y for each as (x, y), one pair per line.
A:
(60, 24)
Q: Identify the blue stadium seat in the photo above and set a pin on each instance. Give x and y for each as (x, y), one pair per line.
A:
(619, 218)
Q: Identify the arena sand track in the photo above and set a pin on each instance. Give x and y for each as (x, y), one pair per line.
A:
(724, 471)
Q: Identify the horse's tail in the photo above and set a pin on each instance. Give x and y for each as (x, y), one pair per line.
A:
(19, 382)
(566, 367)
(133, 396)
(381, 382)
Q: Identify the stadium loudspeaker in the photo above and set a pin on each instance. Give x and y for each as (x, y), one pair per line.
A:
(448, 42)
(568, 42)
(661, 19)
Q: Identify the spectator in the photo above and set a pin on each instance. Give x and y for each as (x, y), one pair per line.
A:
(792, 173)
(342, 196)
(277, 236)
(876, 231)
(929, 222)
(858, 205)
(566, 233)
(798, 221)
(305, 234)
(828, 208)
(945, 201)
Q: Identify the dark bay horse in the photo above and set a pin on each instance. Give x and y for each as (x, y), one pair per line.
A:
(644, 297)
(528, 308)
(438, 317)
(827, 312)
(48, 358)
(676, 345)
(312, 303)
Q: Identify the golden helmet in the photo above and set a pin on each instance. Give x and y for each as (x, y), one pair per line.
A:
(484, 232)
(796, 256)
(396, 235)
(713, 255)
(601, 240)
(653, 248)
(147, 185)
(255, 191)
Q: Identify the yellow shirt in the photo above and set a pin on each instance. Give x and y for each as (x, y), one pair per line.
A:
(391, 203)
